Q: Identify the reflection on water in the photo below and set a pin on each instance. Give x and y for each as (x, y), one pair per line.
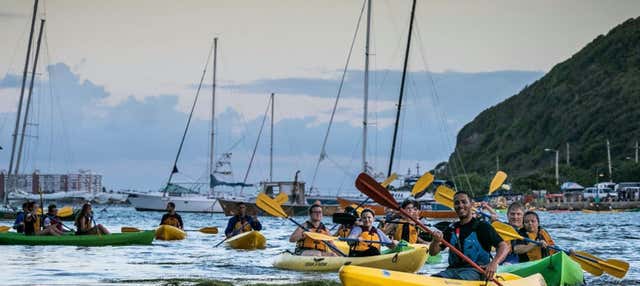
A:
(605, 235)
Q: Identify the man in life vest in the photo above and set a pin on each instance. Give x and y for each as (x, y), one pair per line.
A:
(515, 214)
(18, 224)
(472, 237)
(529, 251)
(366, 234)
(403, 229)
(52, 223)
(306, 246)
(172, 218)
(241, 222)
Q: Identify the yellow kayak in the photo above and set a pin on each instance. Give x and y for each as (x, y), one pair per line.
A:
(408, 261)
(167, 232)
(356, 275)
(248, 240)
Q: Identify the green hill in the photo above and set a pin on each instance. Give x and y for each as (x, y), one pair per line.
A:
(583, 101)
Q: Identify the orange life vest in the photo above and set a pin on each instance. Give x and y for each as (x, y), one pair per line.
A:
(172, 221)
(412, 237)
(343, 231)
(239, 228)
(372, 234)
(537, 252)
(308, 243)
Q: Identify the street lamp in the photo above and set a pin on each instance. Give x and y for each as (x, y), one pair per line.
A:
(557, 160)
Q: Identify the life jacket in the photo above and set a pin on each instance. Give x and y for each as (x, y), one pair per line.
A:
(171, 220)
(32, 226)
(537, 252)
(407, 232)
(368, 247)
(343, 231)
(242, 225)
(471, 247)
(308, 243)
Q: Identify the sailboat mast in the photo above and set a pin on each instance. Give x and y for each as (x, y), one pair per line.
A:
(273, 103)
(24, 82)
(404, 74)
(366, 90)
(212, 154)
(26, 109)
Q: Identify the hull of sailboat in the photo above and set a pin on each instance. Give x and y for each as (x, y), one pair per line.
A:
(153, 202)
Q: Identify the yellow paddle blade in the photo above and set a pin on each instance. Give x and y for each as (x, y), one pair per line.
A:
(281, 198)
(357, 208)
(129, 229)
(320, 236)
(422, 183)
(614, 267)
(506, 231)
(270, 206)
(4, 228)
(497, 181)
(209, 230)
(444, 196)
(587, 265)
(65, 211)
(389, 180)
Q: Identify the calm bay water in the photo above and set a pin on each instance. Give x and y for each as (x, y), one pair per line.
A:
(604, 235)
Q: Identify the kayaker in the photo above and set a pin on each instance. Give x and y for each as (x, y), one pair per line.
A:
(306, 246)
(52, 224)
(367, 232)
(172, 218)
(472, 237)
(86, 224)
(241, 222)
(515, 213)
(404, 229)
(532, 230)
(31, 224)
(18, 224)
(345, 228)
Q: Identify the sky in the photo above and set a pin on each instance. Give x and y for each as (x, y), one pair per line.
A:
(116, 79)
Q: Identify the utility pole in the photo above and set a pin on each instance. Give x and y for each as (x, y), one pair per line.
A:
(556, 163)
(497, 163)
(609, 161)
(568, 164)
(636, 152)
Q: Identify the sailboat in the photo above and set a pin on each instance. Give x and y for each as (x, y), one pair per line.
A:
(187, 199)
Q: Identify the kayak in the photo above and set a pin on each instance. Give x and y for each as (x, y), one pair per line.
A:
(114, 239)
(558, 270)
(248, 240)
(168, 232)
(587, 211)
(410, 260)
(356, 275)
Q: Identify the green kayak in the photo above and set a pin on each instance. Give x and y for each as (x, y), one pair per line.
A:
(114, 239)
(558, 270)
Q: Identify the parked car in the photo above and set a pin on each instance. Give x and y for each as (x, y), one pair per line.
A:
(593, 192)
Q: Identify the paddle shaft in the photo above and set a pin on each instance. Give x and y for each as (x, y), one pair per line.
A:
(365, 241)
(331, 246)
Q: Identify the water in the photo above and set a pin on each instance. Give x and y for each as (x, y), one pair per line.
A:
(604, 235)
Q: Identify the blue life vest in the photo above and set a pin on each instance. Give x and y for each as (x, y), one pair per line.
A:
(472, 249)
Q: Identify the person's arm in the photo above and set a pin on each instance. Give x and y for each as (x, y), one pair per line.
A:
(180, 221)
(490, 210)
(255, 223)
(385, 239)
(229, 230)
(296, 235)
(164, 216)
(434, 246)
(355, 232)
(523, 248)
(501, 253)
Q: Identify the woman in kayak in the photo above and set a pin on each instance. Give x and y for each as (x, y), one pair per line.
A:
(530, 251)
(403, 229)
(367, 232)
(86, 224)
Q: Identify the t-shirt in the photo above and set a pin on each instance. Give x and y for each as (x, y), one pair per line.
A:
(487, 236)
(176, 216)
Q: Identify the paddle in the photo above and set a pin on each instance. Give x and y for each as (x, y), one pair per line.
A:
(588, 262)
(62, 212)
(270, 206)
(497, 181)
(372, 189)
(324, 237)
(234, 233)
(281, 198)
(4, 228)
(206, 229)
(422, 183)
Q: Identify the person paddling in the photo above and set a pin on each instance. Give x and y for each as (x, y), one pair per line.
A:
(532, 230)
(18, 224)
(404, 229)
(86, 224)
(52, 224)
(31, 223)
(172, 218)
(306, 246)
(472, 237)
(515, 214)
(367, 232)
(241, 222)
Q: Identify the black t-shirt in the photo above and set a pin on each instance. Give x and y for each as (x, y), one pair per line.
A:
(487, 236)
